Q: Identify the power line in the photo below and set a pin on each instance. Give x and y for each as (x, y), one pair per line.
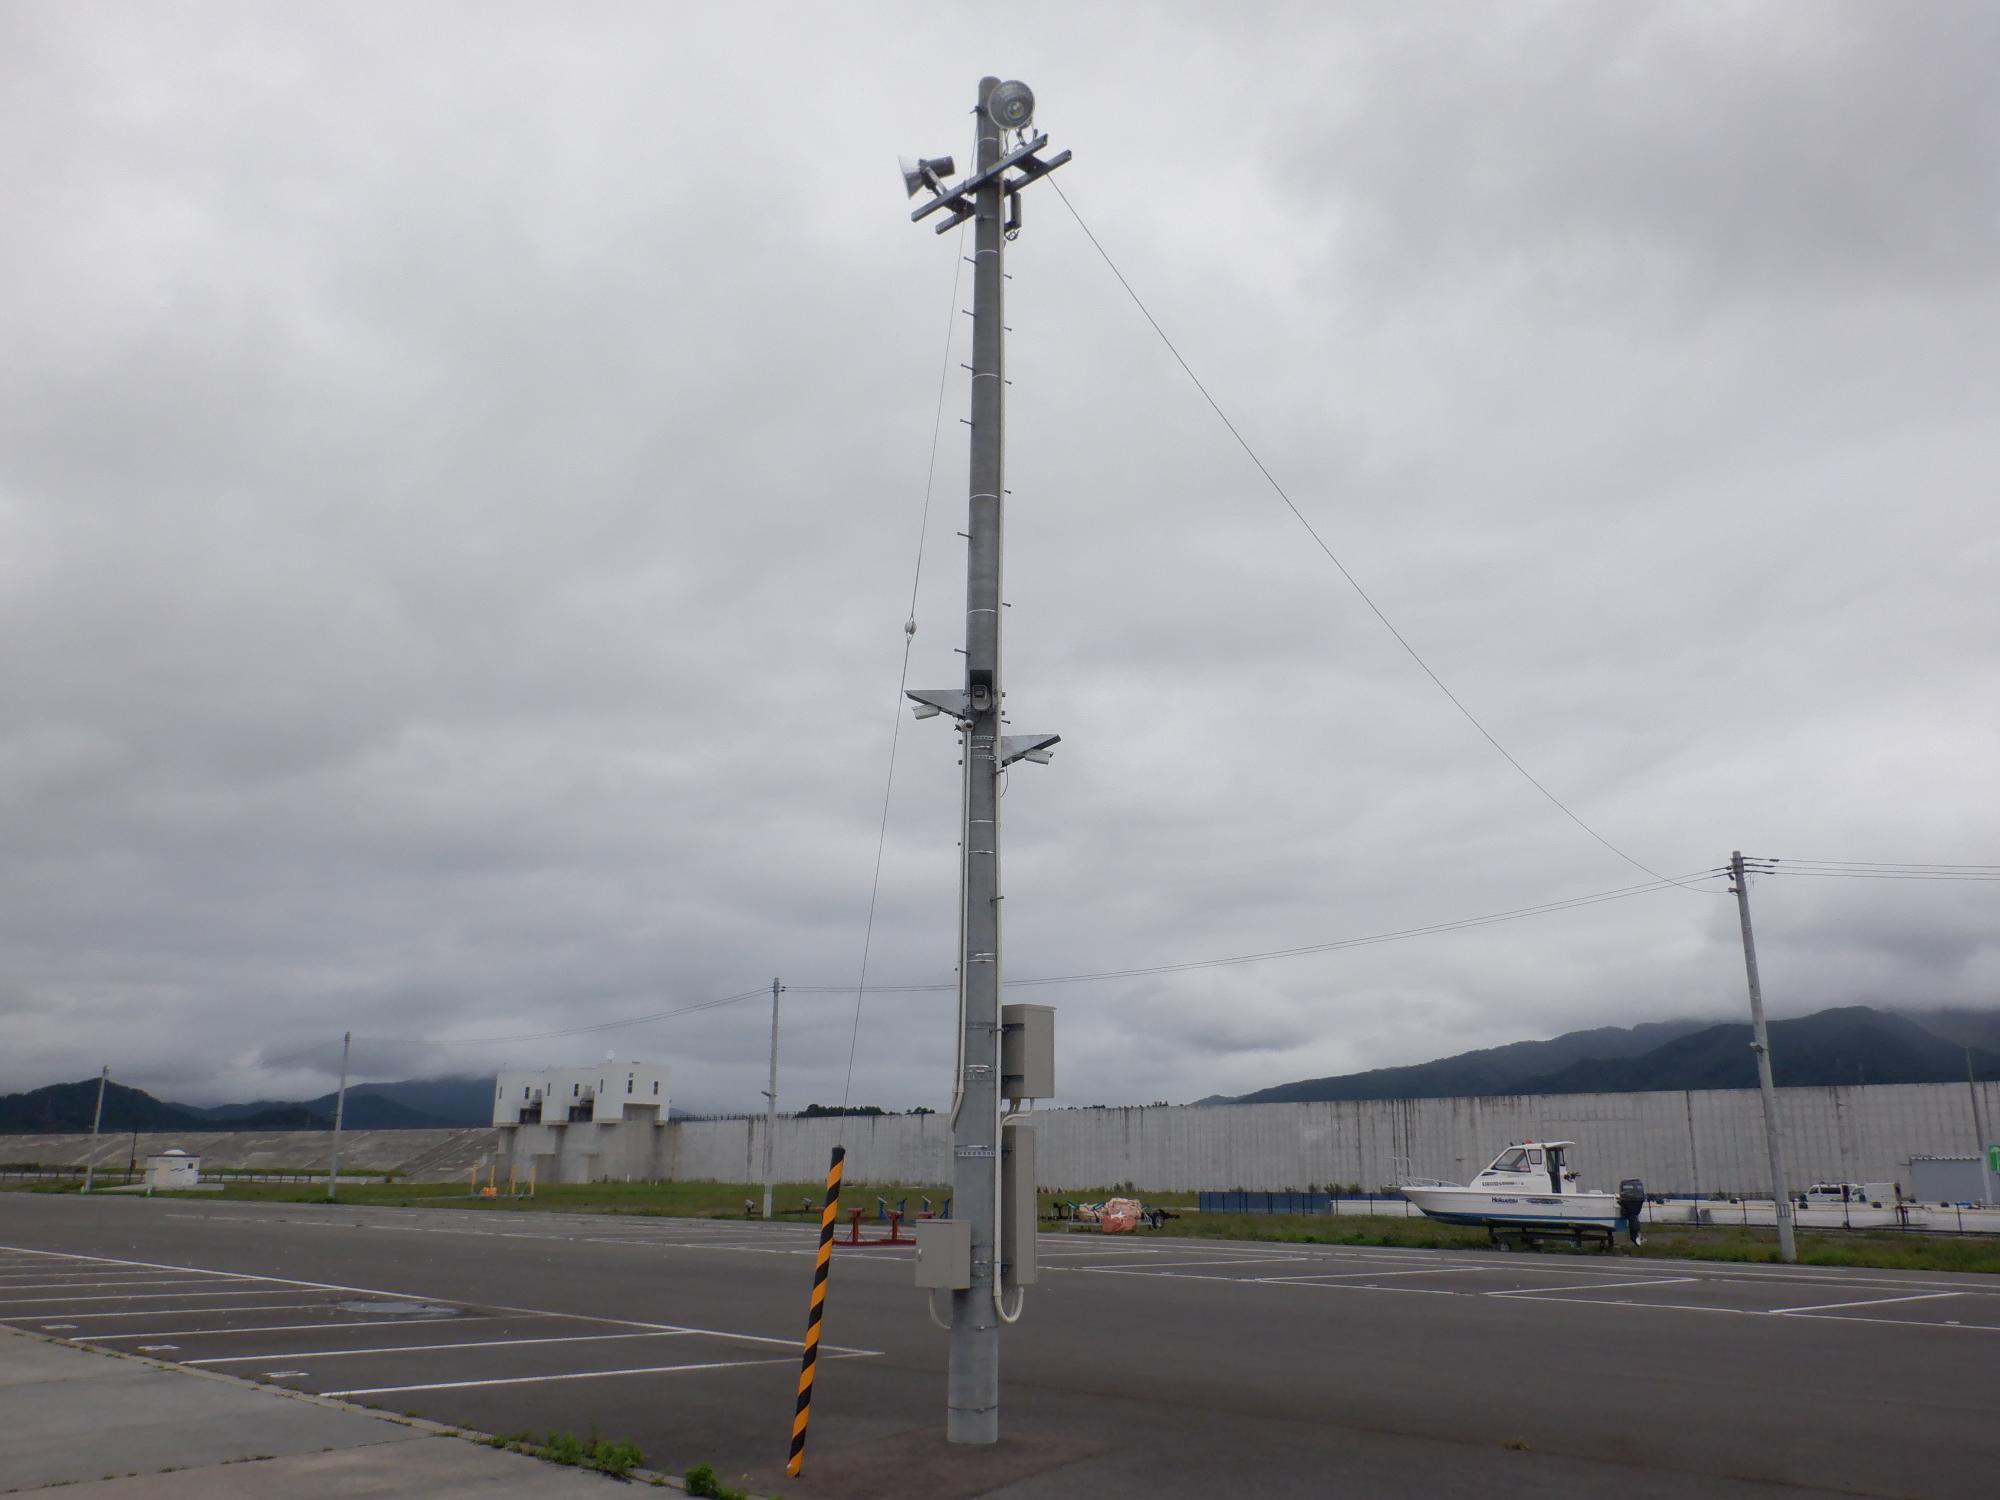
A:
(1893, 865)
(1857, 869)
(1319, 541)
(1875, 875)
(1332, 946)
(536, 1036)
(903, 678)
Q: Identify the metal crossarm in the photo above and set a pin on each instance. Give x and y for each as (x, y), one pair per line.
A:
(959, 195)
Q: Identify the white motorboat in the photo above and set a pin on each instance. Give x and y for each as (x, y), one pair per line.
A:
(1530, 1192)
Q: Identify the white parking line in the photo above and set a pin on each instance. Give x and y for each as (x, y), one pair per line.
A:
(1332, 1276)
(460, 1385)
(1870, 1302)
(1950, 1323)
(71, 1286)
(6, 1302)
(578, 1338)
(204, 1333)
(278, 1283)
(159, 1312)
(1175, 1265)
(1589, 1286)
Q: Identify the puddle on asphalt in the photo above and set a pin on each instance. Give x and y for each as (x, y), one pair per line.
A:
(398, 1309)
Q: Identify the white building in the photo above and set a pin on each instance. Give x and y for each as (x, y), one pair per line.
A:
(583, 1124)
(173, 1169)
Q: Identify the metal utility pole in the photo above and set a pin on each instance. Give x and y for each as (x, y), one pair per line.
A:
(339, 1109)
(90, 1167)
(1980, 1143)
(771, 1097)
(1760, 1043)
(991, 199)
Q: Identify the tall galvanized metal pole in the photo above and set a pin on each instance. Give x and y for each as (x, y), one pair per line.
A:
(973, 1378)
(90, 1167)
(972, 1394)
(339, 1113)
(771, 1101)
(1760, 1043)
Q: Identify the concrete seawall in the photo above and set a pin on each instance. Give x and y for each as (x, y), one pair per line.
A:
(1707, 1141)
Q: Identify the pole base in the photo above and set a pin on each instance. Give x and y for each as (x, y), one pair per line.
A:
(972, 1427)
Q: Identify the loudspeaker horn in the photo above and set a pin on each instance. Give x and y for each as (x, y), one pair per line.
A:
(927, 173)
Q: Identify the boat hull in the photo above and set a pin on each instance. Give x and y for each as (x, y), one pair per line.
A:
(1462, 1205)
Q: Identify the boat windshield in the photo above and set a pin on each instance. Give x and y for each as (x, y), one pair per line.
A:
(1515, 1160)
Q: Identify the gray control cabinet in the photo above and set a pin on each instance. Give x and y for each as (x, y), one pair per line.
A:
(944, 1254)
(1018, 1205)
(1027, 1051)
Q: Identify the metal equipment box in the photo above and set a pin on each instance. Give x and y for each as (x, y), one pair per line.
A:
(944, 1254)
(1027, 1051)
(1019, 1207)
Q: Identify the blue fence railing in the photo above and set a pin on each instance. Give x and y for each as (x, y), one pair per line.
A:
(1267, 1203)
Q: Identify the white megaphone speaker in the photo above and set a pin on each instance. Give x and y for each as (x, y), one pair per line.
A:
(927, 173)
(1011, 105)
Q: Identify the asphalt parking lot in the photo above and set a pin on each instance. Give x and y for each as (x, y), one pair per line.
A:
(1160, 1367)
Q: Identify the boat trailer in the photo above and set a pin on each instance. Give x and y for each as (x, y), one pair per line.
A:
(1600, 1237)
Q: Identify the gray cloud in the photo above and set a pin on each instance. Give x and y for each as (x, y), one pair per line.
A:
(460, 476)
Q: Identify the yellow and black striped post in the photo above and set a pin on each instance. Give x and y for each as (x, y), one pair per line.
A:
(828, 1216)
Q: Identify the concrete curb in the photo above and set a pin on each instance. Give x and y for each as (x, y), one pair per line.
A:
(649, 1477)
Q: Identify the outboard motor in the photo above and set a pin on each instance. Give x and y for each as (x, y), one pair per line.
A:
(1631, 1203)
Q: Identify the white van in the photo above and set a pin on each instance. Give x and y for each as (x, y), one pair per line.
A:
(1853, 1194)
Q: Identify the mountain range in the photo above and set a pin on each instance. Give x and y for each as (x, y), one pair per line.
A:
(412, 1103)
(1851, 1044)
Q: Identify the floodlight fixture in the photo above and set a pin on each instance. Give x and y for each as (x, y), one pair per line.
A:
(927, 172)
(1011, 105)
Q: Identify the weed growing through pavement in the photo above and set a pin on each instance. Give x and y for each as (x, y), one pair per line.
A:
(701, 1480)
(593, 1452)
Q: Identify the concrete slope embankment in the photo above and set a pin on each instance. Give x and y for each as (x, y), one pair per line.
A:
(421, 1155)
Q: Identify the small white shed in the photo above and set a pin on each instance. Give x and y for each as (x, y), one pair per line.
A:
(173, 1169)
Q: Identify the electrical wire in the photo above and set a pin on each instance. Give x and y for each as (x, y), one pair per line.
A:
(903, 679)
(1873, 875)
(1856, 869)
(1319, 541)
(1545, 908)
(536, 1036)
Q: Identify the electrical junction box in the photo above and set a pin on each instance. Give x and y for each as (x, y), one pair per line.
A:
(944, 1254)
(1019, 1208)
(1027, 1051)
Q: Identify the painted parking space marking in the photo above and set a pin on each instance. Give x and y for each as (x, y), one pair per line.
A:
(575, 1338)
(127, 1281)
(323, 1325)
(466, 1385)
(1369, 1276)
(1584, 1285)
(1151, 1267)
(1871, 1302)
(148, 1320)
(6, 1302)
(1589, 1286)
(162, 1312)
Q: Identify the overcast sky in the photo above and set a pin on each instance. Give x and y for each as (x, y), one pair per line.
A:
(461, 472)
